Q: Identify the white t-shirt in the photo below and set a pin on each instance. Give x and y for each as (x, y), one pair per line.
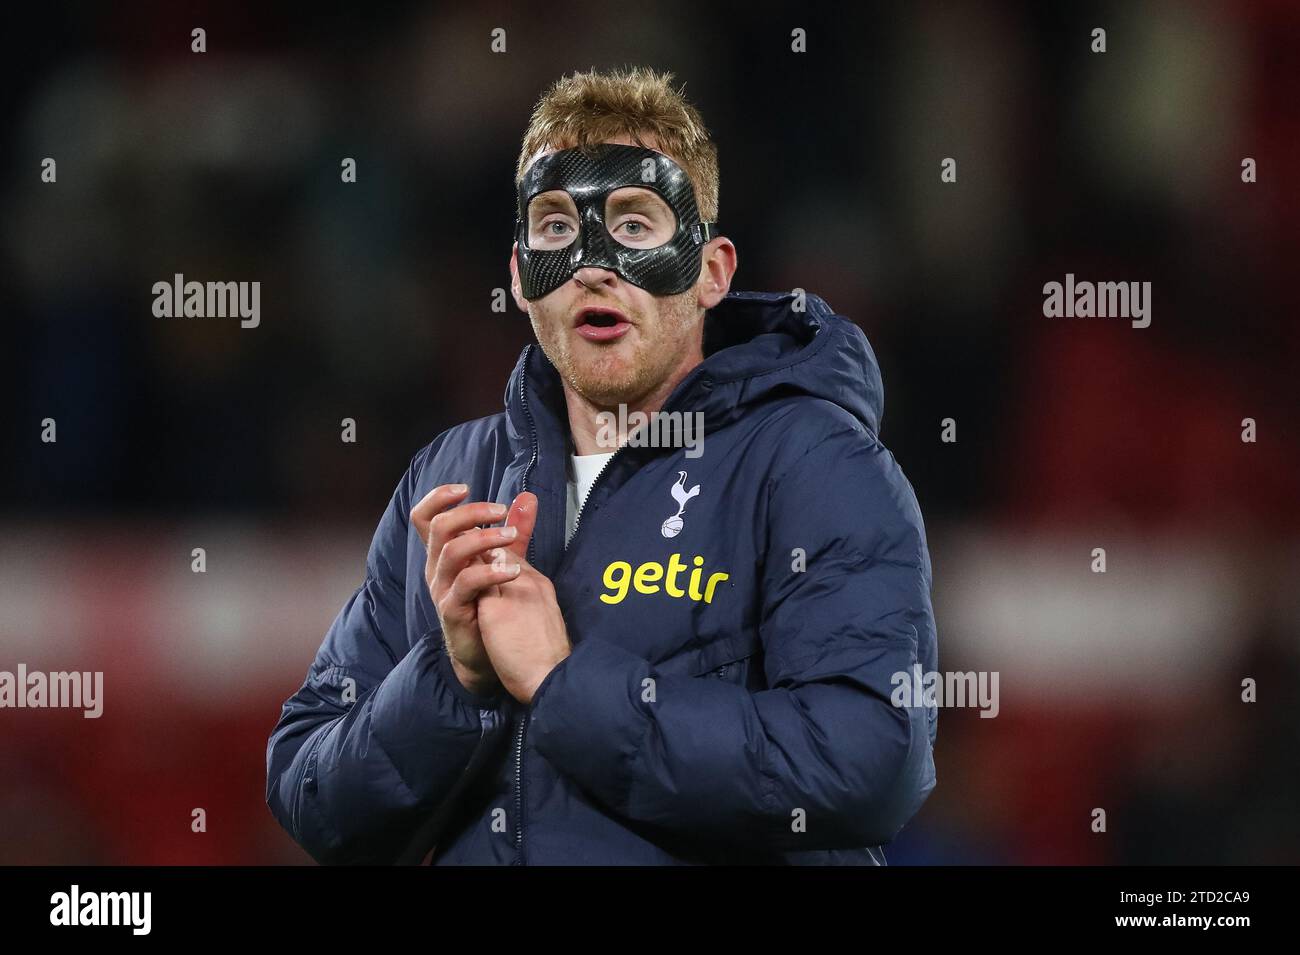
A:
(583, 470)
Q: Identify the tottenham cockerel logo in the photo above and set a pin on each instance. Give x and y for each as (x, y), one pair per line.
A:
(673, 526)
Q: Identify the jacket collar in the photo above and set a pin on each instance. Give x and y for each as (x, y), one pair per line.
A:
(755, 344)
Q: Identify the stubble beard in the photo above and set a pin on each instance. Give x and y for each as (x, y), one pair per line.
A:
(620, 378)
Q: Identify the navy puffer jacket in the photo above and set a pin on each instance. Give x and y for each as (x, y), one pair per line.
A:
(727, 699)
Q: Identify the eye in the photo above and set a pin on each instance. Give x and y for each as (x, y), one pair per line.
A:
(555, 222)
(635, 228)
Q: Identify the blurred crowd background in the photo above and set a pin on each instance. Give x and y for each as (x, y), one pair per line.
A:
(1119, 691)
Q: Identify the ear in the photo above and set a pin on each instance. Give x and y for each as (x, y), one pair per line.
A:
(516, 290)
(717, 266)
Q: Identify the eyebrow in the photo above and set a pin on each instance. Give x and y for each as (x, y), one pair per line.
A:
(638, 200)
(550, 204)
(641, 201)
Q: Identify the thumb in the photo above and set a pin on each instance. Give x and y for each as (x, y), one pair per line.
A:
(523, 515)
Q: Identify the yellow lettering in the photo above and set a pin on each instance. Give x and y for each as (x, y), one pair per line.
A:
(620, 577)
(623, 570)
(714, 580)
(675, 567)
(645, 575)
(695, 579)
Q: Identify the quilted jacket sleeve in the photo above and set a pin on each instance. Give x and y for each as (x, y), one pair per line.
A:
(369, 754)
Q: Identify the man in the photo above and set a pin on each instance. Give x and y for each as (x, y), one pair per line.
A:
(680, 645)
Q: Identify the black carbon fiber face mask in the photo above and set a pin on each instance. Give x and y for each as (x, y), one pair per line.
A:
(662, 258)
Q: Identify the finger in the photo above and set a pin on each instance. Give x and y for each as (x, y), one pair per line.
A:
(501, 555)
(523, 515)
(449, 524)
(477, 578)
(439, 499)
(464, 549)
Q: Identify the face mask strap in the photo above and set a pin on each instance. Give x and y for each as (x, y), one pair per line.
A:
(703, 232)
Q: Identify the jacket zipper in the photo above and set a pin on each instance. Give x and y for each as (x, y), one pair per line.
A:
(523, 718)
(577, 518)
(577, 524)
(519, 791)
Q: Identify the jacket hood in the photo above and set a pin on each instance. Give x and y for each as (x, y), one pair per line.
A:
(757, 346)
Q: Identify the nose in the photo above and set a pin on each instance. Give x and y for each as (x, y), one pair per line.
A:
(592, 276)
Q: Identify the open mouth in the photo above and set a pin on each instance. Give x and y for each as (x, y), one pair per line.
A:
(601, 324)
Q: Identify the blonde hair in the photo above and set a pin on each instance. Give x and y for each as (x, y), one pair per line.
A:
(584, 109)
